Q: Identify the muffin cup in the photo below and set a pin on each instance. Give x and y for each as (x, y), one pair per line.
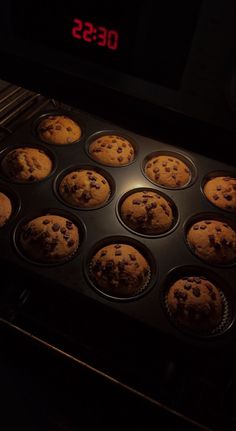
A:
(99, 170)
(212, 175)
(228, 315)
(15, 202)
(179, 156)
(208, 216)
(69, 114)
(107, 133)
(136, 232)
(151, 277)
(50, 211)
(48, 152)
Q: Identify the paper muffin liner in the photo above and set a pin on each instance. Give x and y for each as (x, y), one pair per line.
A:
(218, 330)
(138, 292)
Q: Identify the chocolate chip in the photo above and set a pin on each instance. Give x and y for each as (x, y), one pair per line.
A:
(197, 280)
(211, 239)
(97, 186)
(97, 150)
(203, 227)
(63, 230)
(120, 158)
(66, 236)
(187, 286)
(207, 222)
(171, 160)
(228, 197)
(218, 188)
(119, 150)
(209, 287)
(69, 129)
(110, 265)
(215, 197)
(145, 201)
(69, 224)
(167, 169)
(70, 243)
(103, 253)
(196, 291)
(213, 296)
(103, 181)
(180, 295)
(149, 165)
(190, 279)
(58, 127)
(117, 246)
(206, 309)
(164, 164)
(113, 141)
(74, 176)
(55, 227)
(132, 257)
(136, 201)
(195, 227)
(87, 196)
(173, 176)
(218, 229)
(175, 168)
(156, 170)
(118, 253)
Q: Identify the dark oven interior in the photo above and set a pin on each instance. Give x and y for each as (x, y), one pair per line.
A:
(71, 356)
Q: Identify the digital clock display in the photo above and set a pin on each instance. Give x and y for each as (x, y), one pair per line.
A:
(147, 40)
(100, 35)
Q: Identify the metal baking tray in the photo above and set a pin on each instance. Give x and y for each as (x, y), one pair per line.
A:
(168, 253)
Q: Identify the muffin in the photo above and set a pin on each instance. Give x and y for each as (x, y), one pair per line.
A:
(213, 241)
(27, 165)
(195, 303)
(49, 239)
(147, 212)
(112, 150)
(119, 270)
(59, 129)
(221, 191)
(168, 171)
(5, 209)
(84, 189)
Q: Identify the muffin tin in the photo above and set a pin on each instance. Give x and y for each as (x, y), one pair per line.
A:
(168, 254)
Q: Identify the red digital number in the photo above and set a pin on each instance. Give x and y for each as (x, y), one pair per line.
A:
(77, 29)
(113, 39)
(87, 34)
(102, 36)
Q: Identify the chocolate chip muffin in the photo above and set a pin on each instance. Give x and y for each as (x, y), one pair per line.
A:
(112, 150)
(119, 270)
(59, 129)
(27, 165)
(168, 171)
(85, 189)
(195, 303)
(213, 241)
(147, 212)
(221, 191)
(5, 209)
(49, 239)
